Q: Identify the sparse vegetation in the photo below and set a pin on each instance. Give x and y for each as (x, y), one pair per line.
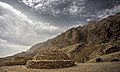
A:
(98, 60)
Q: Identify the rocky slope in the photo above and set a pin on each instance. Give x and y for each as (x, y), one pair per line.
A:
(103, 31)
(84, 43)
(87, 42)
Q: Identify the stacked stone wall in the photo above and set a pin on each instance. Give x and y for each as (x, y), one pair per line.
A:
(48, 64)
(11, 63)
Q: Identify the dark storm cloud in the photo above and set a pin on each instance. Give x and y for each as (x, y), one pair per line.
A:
(68, 12)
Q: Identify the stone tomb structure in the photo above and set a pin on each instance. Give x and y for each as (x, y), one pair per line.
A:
(50, 58)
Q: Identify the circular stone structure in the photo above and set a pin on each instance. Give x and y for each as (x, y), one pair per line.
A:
(50, 58)
(17, 61)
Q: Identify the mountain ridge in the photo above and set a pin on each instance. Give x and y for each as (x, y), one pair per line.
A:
(84, 43)
(96, 35)
(80, 33)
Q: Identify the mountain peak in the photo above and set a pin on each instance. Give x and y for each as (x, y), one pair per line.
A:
(95, 32)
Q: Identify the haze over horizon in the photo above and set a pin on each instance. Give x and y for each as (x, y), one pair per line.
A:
(19, 31)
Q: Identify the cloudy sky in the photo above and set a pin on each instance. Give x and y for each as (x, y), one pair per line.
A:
(18, 33)
(24, 23)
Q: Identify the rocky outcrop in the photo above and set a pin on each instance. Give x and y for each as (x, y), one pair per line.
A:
(105, 48)
(84, 52)
(113, 57)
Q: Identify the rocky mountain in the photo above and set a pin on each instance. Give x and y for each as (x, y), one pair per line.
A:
(86, 42)
(83, 43)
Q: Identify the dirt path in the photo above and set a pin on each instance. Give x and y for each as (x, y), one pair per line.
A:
(81, 67)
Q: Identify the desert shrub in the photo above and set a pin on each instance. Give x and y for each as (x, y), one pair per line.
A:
(98, 60)
(115, 60)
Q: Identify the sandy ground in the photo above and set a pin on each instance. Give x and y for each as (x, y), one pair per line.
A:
(81, 67)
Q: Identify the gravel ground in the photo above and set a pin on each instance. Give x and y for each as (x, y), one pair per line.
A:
(81, 67)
